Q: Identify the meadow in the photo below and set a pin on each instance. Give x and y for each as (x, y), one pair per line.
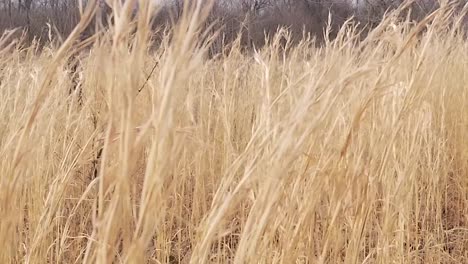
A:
(348, 149)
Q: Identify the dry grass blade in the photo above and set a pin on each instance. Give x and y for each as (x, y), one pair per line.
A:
(349, 150)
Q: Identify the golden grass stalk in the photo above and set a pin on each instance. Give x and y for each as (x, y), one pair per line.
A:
(343, 153)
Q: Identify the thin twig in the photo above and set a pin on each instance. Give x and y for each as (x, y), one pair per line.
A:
(148, 77)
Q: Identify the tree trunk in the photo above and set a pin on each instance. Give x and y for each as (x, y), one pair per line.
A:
(9, 9)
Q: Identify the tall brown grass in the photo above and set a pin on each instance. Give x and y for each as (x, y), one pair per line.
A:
(350, 152)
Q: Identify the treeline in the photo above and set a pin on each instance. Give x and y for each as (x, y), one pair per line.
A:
(41, 18)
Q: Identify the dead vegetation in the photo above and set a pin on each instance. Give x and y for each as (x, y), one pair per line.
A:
(352, 151)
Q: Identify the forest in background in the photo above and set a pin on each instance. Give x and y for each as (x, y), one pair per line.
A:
(42, 19)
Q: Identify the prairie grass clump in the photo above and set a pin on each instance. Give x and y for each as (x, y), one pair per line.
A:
(354, 151)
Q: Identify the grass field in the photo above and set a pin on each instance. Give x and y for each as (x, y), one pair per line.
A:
(352, 151)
